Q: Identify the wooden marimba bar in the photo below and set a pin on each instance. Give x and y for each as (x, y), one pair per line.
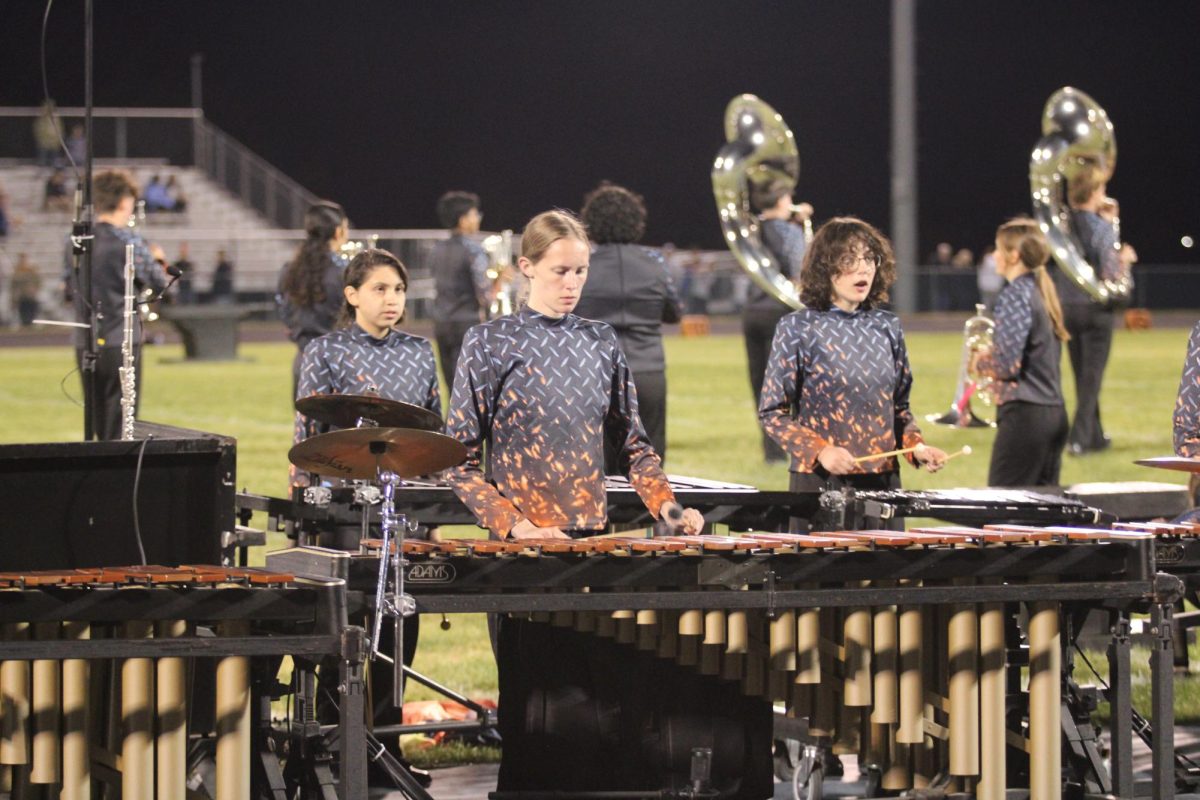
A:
(56, 623)
(893, 645)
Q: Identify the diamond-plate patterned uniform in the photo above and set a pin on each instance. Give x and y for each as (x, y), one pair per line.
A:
(839, 378)
(399, 366)
(1187, 404)
(1025, 356)
(540, 392)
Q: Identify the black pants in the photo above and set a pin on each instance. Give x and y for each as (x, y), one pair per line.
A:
(758, 330)
(1029, 444)
(652, 408)
(449, 336)
(106, 401)
(1091, 329)
(581, 713)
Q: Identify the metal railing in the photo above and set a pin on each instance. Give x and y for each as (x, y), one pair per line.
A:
(180, 136)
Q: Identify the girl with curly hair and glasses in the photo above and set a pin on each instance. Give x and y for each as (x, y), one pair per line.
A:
(838, 380)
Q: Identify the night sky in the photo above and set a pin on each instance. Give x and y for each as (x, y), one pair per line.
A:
(384, 105)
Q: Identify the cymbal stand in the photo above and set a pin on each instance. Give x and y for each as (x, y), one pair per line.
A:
(397, 604)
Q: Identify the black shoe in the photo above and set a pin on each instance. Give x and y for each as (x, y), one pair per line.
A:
(1105, 443)
(1076, 449)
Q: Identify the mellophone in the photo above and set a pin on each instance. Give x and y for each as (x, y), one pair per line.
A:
(897, 645)
(60, 626)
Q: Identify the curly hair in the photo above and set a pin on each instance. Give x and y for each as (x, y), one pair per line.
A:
(302, 281)
(614, 214)
(833, 240)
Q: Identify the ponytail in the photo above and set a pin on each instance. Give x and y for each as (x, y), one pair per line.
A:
(1023, 235)
(1050, 300)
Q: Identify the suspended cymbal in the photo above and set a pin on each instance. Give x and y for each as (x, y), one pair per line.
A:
(359, 452)
(344, 410)
(1177, 463)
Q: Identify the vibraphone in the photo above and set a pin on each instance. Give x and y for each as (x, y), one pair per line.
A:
(897, 645)
(148, 621)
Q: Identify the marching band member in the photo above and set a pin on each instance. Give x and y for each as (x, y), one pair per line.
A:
(114, 194)
(538, 389)
(1023, 362)
(838, 379)
(1093, 216)
(310, 285)
(630, 289)
(459, 265)
(784, 240)
(1187, 404)
(368, 356)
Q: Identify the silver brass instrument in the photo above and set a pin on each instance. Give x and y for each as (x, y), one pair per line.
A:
(760, 151)
(507, 286)
(127, 371)
(974, 404)
(1074, 129)
(352, 248)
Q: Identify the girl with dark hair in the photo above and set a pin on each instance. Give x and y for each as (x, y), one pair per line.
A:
(310, 286)
(1023, 362)
(367, 355)
(630, 289)
(838, 380)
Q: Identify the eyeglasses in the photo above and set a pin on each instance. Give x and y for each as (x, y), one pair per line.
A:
(849, 261)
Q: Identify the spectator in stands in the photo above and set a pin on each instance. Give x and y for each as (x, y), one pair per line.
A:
(186, 294)
(57, 196)
(4, 218)
(222, 281)
(310, 294)
(25, 287)
(45, 136)
(156, 196)
(77, 146)
(175, 194)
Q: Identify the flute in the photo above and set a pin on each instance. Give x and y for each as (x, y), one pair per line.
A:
(127, 372)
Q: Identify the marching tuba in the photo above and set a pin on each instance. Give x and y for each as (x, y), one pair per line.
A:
(760, 151)
(1075, 129)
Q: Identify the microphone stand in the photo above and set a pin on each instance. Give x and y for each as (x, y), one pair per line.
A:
(82, 241)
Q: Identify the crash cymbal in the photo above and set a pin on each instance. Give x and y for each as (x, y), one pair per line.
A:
(359, 452)
(344, 410)
(1177, 463)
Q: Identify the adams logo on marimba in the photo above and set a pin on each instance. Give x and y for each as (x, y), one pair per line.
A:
(431, 573)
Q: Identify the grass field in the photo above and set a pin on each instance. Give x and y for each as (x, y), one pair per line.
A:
(712, 429)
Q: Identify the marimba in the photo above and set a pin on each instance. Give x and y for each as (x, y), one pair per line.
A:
(897, 645)
(59, 626)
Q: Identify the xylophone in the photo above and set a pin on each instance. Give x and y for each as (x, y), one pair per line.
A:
(901, 646)
(148, 621)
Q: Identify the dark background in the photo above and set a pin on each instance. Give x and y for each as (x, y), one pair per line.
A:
(384, 105)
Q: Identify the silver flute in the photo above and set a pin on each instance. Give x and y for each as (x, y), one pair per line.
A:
(127, 372)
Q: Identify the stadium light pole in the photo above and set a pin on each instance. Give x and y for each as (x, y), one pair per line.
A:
(904, 153)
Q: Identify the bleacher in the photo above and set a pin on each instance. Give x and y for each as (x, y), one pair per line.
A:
(214, 220)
